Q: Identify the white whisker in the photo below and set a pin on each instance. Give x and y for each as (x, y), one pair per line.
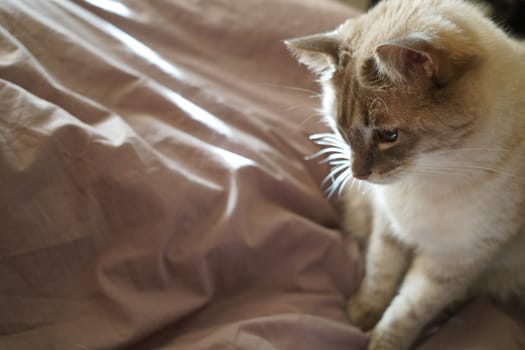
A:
(327, 136)
(323, 151)
(465, 169)
(295, 107)
(335, 143)
(438, 171)
(333, 173)
(360, 186)
(335, 157)
(467, 166)
(339, 162)
(336, 152)
(471, 149)
(337, 182)
(343, 185)
(293, 88)
(315, 114)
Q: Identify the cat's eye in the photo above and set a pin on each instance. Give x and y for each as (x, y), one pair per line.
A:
(387, 136)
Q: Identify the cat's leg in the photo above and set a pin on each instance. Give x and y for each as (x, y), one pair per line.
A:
(386, 263)
(427, 289)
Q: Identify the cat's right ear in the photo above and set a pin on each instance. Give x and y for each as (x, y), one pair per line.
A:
(318, 52)
(417, 60)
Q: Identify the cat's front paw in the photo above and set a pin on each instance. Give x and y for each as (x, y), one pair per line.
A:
(362, 313)
(384, 340)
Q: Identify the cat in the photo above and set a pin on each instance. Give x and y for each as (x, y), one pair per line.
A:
(427, 96)
(507, 13)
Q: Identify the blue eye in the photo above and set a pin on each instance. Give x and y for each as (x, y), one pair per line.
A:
(387, 136)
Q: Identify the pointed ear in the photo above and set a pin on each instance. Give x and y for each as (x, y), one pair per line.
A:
(415, 60)
(318, 52)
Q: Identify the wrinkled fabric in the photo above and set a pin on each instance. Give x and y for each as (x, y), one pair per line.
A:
(155, 191)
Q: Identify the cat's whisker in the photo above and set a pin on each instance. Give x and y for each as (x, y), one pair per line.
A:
(295, 107)
(325, 136)
(466, 166)
(333, 173)
(331, 149)
(319, 117)
(334, 144)
(324, 151)
(438, 173)
(341, 149)
(352, 183)
(292, 88)
(337, 155)
(470, 152)
(337, 182)
(342, 187)
(471, 149)
(339, 162)
(461, 168)
(360, 186)
(335, 158)
(333, 141)
(440, 170)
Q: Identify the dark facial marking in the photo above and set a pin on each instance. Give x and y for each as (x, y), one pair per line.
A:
(345, 100)
(362, 157)
(364, 111)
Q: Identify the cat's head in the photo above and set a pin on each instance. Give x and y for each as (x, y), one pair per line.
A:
(401, 82)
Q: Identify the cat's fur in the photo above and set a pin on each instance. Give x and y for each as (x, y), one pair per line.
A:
(507, 13)
(448, 194)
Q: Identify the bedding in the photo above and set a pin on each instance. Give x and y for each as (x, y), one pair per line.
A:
(154, 188)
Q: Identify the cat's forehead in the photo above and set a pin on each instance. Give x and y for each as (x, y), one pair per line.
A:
(364, 100)
(360, 72)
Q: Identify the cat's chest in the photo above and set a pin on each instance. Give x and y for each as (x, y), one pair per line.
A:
(430, 221)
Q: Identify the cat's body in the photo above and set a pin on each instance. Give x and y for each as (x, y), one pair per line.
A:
(428, 94)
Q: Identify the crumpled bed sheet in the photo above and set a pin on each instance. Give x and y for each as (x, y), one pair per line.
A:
(154, 187)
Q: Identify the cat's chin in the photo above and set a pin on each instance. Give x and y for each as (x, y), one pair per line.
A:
(386, 179)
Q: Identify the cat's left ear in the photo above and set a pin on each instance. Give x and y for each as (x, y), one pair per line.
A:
(416, 60)
(318, 52)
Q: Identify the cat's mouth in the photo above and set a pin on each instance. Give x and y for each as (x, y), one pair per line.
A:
(387, 178)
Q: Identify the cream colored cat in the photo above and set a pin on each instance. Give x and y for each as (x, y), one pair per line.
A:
(429, 94)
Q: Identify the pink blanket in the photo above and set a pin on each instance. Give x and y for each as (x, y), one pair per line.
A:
(154, 189)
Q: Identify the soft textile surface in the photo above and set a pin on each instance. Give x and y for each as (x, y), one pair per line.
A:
(154, 188)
